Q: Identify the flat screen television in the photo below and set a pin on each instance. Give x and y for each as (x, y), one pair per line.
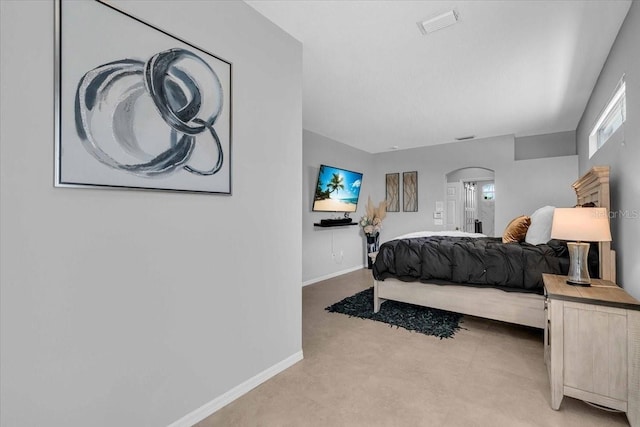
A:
(337, 190)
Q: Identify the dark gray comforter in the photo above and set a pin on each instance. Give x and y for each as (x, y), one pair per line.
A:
(484, 261)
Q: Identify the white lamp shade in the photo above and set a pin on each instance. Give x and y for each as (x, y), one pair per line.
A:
(581, 224)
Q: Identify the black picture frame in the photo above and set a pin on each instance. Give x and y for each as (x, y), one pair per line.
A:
(410, 191)
(392, 191)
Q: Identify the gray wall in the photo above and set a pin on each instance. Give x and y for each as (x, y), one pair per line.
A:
(330, 251)
(547, 145)
(521, 186)
(623, 157)
(135, 308)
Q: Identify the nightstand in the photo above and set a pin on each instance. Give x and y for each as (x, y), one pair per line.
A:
(592, 344)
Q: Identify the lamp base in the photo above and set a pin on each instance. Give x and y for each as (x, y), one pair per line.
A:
(574, 283)
(578, 271)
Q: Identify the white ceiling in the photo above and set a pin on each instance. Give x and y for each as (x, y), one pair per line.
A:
(372, 80)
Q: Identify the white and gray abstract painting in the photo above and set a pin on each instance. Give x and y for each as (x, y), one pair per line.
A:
(186, 94)
(139, 108)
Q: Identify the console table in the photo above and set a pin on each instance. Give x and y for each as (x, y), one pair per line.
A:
(592, 344)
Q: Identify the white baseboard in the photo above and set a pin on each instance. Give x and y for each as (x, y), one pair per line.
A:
(329, 276)
(219, 402)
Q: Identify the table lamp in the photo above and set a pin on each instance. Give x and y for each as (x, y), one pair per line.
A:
(580, 225)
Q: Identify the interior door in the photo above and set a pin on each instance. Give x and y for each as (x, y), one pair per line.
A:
(452, 210)
(486, 206)
(470, 211)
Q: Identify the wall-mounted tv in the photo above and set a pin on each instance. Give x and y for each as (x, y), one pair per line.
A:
(337, 190)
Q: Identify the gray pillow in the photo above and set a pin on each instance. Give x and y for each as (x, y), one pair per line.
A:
(539, 231)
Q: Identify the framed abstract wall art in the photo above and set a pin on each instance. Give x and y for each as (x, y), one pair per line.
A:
(136, 107)
(410, 191)
(392, 189)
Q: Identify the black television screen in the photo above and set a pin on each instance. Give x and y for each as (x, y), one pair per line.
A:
(337, 190)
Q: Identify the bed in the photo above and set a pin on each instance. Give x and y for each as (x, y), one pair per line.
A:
(521, 306)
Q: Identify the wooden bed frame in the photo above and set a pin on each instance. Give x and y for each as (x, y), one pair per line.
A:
(513, 307)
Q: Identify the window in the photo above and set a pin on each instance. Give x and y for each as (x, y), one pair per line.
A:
(489, 191)
(610, 120)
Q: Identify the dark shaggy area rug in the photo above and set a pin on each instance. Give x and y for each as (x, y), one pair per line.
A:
(428, 321)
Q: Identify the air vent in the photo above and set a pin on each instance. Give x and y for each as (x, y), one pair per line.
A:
(438, 22)
(464, 138)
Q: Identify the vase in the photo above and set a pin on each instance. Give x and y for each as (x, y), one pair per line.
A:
(372, 246)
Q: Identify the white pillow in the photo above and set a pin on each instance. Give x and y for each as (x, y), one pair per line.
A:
(540, 229)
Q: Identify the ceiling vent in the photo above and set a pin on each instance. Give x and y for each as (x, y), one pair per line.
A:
(438, 22)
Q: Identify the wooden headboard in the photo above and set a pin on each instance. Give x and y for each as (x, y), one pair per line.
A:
(593, 187)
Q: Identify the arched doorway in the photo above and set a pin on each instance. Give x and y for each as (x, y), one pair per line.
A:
(470, 200)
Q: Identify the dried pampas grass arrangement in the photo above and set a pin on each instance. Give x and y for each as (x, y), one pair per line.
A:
(372, 222)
